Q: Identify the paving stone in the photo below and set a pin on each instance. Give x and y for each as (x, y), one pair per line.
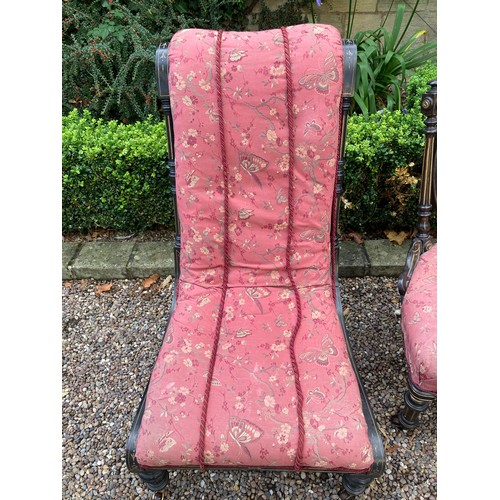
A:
(102, 260)
(151, 257)
(385, 257)
(119, 260)
(69, 249)
(352, 260)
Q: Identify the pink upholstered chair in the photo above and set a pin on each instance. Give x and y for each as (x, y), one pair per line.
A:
(418, 286)
(255, 370)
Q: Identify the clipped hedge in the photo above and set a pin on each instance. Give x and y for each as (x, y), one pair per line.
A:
(384, 153)
(114, 176)
(383, 162)
(418, 84)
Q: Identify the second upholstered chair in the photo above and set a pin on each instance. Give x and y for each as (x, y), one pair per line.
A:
(418, 286)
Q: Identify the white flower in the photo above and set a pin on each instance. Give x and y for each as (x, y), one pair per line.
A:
(277, 71)
(282, 438)
(286, 428)
(204, 85)
(341, 433)
(186, 348)
(209, 457)
(269, 401)
(271, 135)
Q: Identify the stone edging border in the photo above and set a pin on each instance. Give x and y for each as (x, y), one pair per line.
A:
(105, 260)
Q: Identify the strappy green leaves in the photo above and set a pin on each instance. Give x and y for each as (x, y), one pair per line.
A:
(385, 62)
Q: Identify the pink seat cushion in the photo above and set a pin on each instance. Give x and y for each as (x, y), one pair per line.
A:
(419, 323)
(252, 409)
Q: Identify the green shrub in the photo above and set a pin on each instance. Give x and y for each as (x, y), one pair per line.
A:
(418, 84)
(113, 175)
(290, 13)
(383, 163)
(108, 49)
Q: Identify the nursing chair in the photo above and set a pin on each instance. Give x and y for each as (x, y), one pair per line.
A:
(256, 370)
(418, 285)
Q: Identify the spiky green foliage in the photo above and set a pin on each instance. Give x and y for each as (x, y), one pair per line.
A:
(385, 61)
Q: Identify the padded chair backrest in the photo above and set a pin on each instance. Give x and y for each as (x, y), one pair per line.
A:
(281, 115)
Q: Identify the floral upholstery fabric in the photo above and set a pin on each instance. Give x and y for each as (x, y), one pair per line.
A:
(252, 409)
(419, 323)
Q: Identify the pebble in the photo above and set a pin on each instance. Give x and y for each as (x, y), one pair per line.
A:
(109, 345)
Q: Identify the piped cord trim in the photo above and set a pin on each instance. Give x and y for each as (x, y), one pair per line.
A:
(291, 154)
(213, 356)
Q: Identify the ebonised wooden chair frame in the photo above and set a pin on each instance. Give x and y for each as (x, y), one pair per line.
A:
(353, 483)
(415, 400)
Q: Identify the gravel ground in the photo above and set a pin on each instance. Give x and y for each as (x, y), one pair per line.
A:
(110, 342)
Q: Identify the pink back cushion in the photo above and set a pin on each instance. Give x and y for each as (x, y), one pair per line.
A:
(256, 136)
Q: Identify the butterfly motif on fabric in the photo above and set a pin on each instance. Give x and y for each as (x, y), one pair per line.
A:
(214, 382)
(321, 356)
(191, 179)
(366, 454)
(320, 80)
(278, 39)
(242, 332)
(312, 126)
(166, 442)
(245, 213)
(252, 164)
(236, 55)
(281, 197)
(279, 321)
(244, 432)
(315, 395)
(203, 300)
(317, 234)
(416, 319)
(168, 337)
(256, 293)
